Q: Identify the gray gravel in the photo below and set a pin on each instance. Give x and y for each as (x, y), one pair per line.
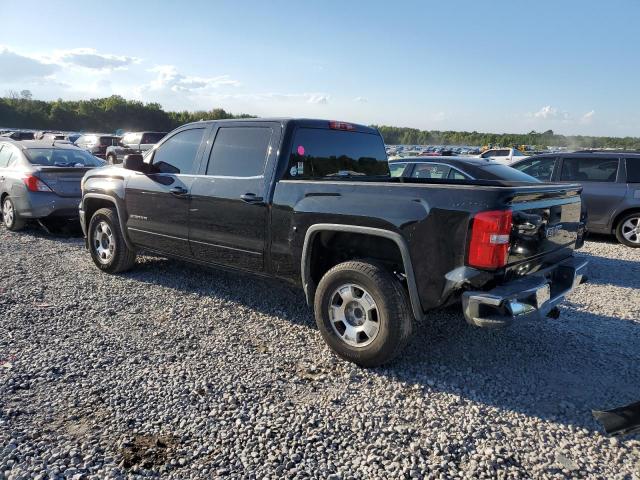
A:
(177, 371)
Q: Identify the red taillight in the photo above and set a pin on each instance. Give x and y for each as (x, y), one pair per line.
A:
(34, 184)
(489, 245)
(340, 125)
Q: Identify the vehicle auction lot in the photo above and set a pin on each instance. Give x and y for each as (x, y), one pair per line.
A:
(181, 371)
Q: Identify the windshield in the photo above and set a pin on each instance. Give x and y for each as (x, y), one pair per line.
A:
(59, 157)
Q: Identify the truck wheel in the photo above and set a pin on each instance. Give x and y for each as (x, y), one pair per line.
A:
(108, 249)
(10, 216)
(111, 159)
(363, 313)
(628, 230)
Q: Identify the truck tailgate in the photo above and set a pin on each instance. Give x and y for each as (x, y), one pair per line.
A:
(546, 224)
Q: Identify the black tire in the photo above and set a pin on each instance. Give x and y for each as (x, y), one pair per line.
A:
(112, 159)
(393, 312)
(13, 222)
(120, 257)
(622, 228)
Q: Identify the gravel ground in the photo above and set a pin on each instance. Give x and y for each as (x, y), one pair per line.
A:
(177, 371)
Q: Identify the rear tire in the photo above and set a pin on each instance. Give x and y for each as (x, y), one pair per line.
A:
(628, 230)
(108, 249)
(363, 313)
(10, 216)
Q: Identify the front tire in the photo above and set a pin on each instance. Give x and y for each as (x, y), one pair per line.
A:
(363, 313)
(108, 249)
(628, 230)
(10, 216)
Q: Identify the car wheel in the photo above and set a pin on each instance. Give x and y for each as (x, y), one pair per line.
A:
(363, 313)
(628, 230)
(108, 249)
(10, 216)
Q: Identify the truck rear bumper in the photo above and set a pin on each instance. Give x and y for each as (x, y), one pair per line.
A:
(530, 297)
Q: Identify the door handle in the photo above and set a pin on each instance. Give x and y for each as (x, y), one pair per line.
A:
(251, 198)
(178, 191)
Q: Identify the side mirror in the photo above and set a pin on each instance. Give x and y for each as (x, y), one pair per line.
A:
(133, 161)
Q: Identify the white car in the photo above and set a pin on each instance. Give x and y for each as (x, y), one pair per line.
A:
(503, 155)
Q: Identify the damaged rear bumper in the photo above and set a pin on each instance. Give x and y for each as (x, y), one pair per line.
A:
(530, 297)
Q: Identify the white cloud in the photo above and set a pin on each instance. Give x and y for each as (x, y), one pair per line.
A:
(318, 99)
(551, 113)
(360, 99)
(16, 67)
(168, 77)
(91, 59)
(587, 117)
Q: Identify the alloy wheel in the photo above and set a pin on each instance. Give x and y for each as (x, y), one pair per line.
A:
(354, 315)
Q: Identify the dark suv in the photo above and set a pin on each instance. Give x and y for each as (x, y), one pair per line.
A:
(611, 187)
(96, 143)
(132, 142)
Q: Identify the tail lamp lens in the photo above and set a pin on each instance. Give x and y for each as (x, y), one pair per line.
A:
(490, 233)
(34, 184)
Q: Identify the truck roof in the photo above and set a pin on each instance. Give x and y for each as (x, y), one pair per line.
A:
(301, 122)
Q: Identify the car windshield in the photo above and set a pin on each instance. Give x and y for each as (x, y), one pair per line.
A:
(62, 157)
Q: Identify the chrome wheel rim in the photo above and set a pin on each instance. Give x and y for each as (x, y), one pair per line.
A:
(354, 315)
(631, 230)
(7, 213)
(103, 243)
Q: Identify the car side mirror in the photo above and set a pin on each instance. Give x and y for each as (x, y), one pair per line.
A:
(134, 162)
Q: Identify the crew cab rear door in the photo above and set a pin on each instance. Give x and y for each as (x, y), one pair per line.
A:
(158, 202)
(229, 201)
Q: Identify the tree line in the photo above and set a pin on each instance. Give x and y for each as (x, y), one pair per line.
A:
(20, 110)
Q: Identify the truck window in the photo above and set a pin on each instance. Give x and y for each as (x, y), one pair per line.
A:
(152, 137)
(589, 169)
(178, 154)
(325, 153)
(239, 152)
(633, 170)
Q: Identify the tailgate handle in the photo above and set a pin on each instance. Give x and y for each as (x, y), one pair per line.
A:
(527, 222)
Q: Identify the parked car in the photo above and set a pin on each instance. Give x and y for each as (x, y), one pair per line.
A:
(503, 155)
(455, 168)
(132, 142)
(53, 136)
(40, 180)
(611, 187)
(312, 202)
(97, 143)
(18, 135)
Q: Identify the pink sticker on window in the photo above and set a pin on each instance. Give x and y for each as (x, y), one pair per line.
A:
(300, 150)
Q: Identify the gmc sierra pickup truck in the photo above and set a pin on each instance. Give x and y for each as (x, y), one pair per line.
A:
(312, 202)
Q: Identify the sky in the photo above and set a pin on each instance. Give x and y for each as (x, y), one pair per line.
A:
(489, 66)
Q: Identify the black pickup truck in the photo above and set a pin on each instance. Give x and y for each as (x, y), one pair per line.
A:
(312, 202)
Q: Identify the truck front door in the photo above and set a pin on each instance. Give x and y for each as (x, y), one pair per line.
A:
(158, 202)
(229, 209)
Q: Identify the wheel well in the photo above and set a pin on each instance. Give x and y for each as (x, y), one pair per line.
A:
(329, 248)
(619, 217)
(92, 205)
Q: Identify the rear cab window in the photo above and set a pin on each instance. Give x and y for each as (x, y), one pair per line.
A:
(319, 153)
(589, 169)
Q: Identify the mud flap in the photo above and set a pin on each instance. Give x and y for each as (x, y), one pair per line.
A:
(620, 421)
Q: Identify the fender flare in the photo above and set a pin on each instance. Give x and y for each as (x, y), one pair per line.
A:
(121, 218)
(312, 231)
